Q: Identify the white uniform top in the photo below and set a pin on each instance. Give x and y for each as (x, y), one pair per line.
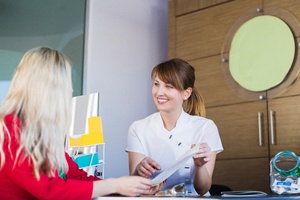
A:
(149, 137)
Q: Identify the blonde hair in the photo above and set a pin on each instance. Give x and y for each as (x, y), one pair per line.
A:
(40, 95)
(181, 75)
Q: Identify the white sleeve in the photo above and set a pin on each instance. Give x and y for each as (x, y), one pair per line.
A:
(133, 141)
(212, 137)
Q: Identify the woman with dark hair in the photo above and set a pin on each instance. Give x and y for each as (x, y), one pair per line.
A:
(154, 143)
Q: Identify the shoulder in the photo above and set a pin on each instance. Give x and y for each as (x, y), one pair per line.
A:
(139, 126)
(147, 120)
(198, 119)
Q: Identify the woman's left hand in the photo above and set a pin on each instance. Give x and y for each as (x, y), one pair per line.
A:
(157, 188)
(203, 156)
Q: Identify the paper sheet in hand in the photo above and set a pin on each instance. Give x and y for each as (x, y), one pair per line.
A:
(168, 172)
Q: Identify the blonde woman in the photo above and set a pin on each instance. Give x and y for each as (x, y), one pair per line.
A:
(34, 121)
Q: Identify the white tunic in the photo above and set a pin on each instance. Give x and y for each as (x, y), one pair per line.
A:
(149, 137)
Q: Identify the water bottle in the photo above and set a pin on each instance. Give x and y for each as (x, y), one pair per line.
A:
(285, 173)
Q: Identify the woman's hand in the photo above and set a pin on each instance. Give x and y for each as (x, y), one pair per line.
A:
(135, 186)
(126, 186)
(157, 188)
(203, 156)
(147, 167)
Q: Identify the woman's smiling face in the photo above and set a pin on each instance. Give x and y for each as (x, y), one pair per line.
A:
(166, 97)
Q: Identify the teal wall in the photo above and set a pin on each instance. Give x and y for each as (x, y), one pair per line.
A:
(59, 24)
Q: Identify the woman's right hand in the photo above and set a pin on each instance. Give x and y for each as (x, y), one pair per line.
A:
(126, 186)
(146, 167)
(135, 186)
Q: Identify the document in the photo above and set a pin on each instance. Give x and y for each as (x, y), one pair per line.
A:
(178, 163)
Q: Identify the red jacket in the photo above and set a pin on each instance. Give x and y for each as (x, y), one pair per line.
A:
(19, 182)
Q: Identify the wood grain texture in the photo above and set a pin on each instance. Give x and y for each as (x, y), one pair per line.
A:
(238, 128)
(212, 83)
(208, 3)
(171, 31)
(286, 124)
(198, 30)
(186, 6)
(243, 174)
(202, 33)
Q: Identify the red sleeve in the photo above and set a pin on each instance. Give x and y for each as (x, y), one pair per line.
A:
(48, 188)
(22, 182)
(76, 173)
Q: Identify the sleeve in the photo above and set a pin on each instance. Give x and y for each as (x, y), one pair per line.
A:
(47, 187)
(212, 137)
(76, 173)
(133, 141)
(77, 186)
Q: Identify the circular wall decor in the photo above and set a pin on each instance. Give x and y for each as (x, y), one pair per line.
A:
(260, 54)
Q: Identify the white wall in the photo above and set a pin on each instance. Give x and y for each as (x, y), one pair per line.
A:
(125, 39)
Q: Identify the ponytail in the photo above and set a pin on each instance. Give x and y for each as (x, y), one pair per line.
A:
(194, 105)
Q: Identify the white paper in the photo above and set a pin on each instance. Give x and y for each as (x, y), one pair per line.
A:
(168, 172)
(243, 193)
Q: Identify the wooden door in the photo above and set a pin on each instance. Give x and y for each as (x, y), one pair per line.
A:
(238, 126)
(243, 174)
(244, 163)
(286, 124)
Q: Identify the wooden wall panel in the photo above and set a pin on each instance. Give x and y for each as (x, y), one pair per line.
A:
(171, 31)
(186, 6)
(207, 3)
(212, 84)
(293, 89)
(198, 31)
(202, 33)
(243, 174)
(286, 124)
(238, 128)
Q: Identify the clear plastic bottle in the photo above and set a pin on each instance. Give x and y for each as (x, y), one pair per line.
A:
(285, 173)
